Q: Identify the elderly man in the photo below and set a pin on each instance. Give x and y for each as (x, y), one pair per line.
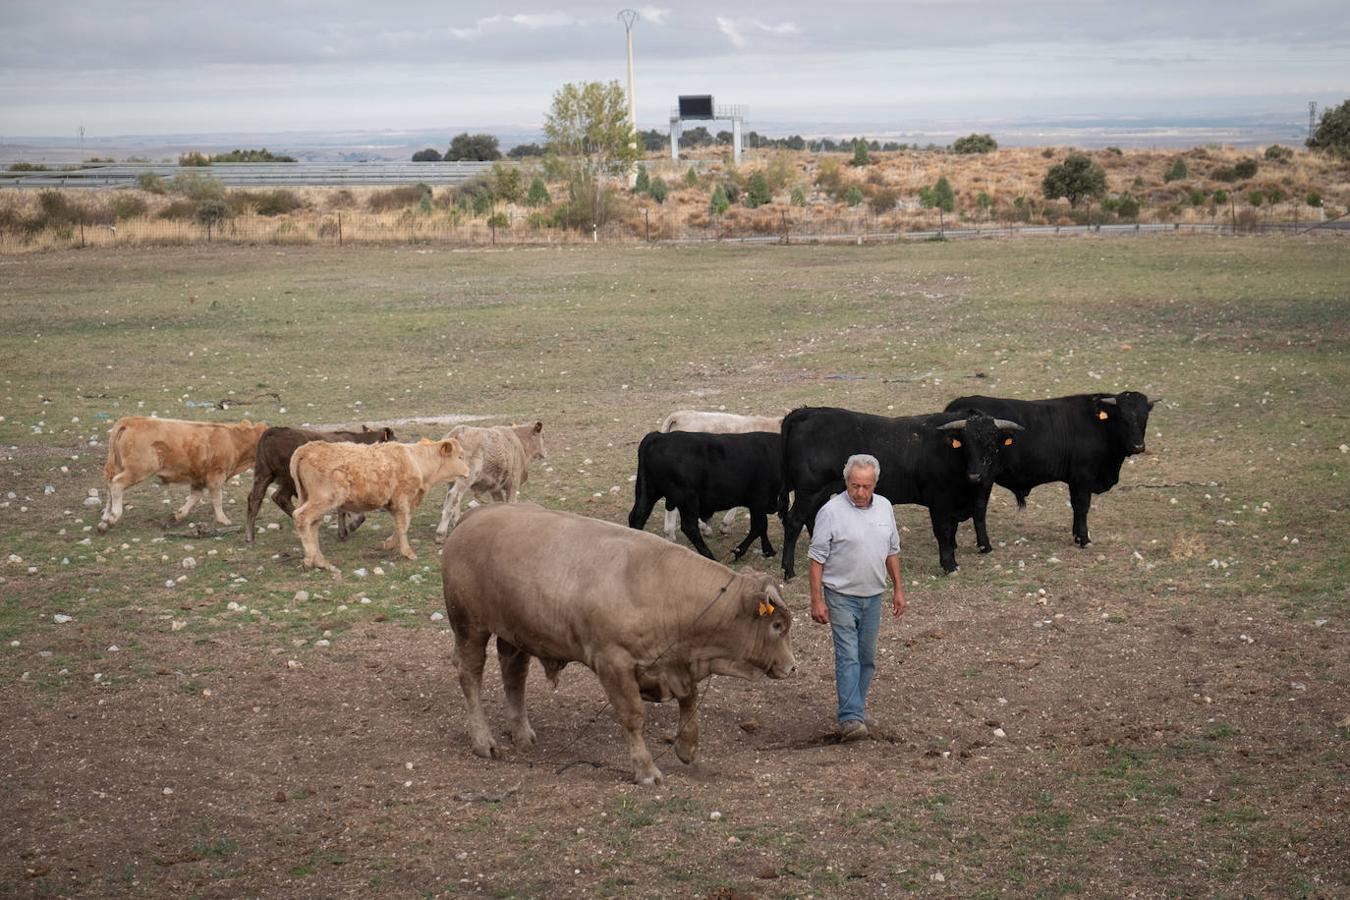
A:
(854, 545)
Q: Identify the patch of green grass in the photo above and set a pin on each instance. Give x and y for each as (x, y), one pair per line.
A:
(221, 848)
(1242, 815)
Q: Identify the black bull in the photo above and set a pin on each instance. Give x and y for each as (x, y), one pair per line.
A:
(1080, 440)
(943, 461)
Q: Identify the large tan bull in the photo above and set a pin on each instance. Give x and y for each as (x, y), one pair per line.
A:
(650, 618)
(203, 455)
(363, 477)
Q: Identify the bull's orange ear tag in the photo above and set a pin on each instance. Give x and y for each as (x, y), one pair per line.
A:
(1102, 415)
(1007, 442)
(956, 445)
(765, 608)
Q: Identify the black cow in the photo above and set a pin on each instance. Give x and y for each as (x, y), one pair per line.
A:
(272, 462)
(1080, 440)
(700, 474)
(941, 461)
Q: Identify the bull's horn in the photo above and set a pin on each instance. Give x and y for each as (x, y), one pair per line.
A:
(1007, 425)
(953, 426)
(1110, 400)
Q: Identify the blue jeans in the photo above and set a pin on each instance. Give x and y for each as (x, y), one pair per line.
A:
(854, 623)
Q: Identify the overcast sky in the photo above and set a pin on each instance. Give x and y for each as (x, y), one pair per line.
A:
(143, 67)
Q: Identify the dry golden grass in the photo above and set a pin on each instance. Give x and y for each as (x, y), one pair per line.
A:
(385, 215)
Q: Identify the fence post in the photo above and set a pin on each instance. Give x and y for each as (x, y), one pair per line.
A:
(81, 232)
(786, 239)
(647, 224)
(339, 229)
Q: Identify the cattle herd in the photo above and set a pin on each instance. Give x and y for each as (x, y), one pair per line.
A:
(650, 618)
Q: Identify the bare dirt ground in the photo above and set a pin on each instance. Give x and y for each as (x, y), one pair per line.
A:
(1163, 713)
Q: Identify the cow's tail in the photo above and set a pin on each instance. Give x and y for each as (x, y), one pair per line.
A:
(785, 486)
(114, 463)
(640, 501)
(301, 495)
(668, 423)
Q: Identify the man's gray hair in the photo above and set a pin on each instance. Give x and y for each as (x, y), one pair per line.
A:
(866, 461)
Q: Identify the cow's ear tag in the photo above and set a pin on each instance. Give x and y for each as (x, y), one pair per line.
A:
(956, 445)
(1007, 442)
(765, 608)
(1101, 414)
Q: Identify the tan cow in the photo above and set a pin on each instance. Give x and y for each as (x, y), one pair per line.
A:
(650, 618)
(203, 455)
(363, 477)
(711, 422)
(498, 459)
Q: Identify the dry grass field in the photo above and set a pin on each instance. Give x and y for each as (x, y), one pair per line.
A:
(1003, 187)
(1163, 713)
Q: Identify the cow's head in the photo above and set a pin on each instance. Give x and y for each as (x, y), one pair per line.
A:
(764, 643)
(534, 441)
(979, 438)
(450, 456)
(383, 435)
(1126, 415)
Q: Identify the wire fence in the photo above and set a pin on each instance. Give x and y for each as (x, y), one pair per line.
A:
(342, 228)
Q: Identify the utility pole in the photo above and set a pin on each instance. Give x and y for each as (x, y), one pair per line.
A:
(1312, 118)
(628, 17)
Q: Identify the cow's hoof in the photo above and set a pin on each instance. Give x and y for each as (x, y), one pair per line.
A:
(524, 739)
(737, 554)
(770, 553)
(653, 776)
(486, 749)
(440, 537)
(687, 755)
(1082, 542)
(986, 548)
(101, 527)
(952, 571)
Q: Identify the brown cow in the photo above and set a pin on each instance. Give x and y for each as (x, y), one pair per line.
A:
(203, 455)
(360, 478)
(272, 462)
(650, 618)
(498, 459)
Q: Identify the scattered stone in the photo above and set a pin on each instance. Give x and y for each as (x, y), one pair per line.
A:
(178, 624)
(167, 792)
(1000, 733)
(750, 726)
(937, 878)
(322, 643)
(62, 618)
(361, 572)
(301, 596)
(294, 664)
(377, 571)
(279, 796)
(189, 562)
(714, 815)
(436, 616)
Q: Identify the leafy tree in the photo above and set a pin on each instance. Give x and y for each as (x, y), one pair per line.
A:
(521, 151)
(691, 178)
(1255, 198)
(798, 196)
(1274, 195)
(830, 179)
(481, 147)
(508, 182)
(588, 131)
(1245, 168)
(1278, 153)
(1333, 132)
(251, 156)
(1177, 171)
(984, 202)
(1314, 199)
(853, 196)
(538, 195)
(944, 198)
(757, 191)
(975, 143)
(926, 199)
(860, 155)
(1075, 178)
(697, 137)
(1220, 197)
(653, 140)
(1127, 206)
(427, 155)
(643, 180)
(211, 212)
(719, 203)
(658, 190)
(498, 220)
(724, 138)
(1197, 197)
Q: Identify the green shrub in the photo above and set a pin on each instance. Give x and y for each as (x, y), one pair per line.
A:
(1127, 207)
(643, 181)
(250, 156)
(197, 187)
(276, 202)
(128, 206)
(691, 178)
(498, 220)
(401, 197)
(853, 196)
(1313, 199)
(538, 193)
(212, 211)
(182, 208)
(1245, 168)
(1220, 197)
(1177, 171)
(428, 155)
(1198, 198)
(757, 191)
(798, 196)
(1255, 198)
(150, 183)
(1274, 195)
(193, 158)
(1226, 174)
(1114, 151)
(27, 167)
(719, 202)
(975, 143)
(1278, 153)
(860, 154)
(658, 190)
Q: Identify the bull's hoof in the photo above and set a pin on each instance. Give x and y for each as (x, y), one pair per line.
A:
(486, 749)
(651, 776)
(986, 548)
(952, 571)
(770, 553)
(687, 755)
(524, 738)
(1082, 542)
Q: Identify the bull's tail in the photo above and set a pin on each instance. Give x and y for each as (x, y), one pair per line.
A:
(301, 495)
(114, 463)
(668, 423)
(785, 487)
(642, 504)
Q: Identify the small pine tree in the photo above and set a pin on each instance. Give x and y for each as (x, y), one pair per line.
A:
(984, 202)
(1220, 197)
(1255, 198)
(643, 182)
(538, 195)
(691, 178)
(798, 196)
(1314, 199)
(657, 189)
(853, 196)
(1177, 171)
(860, 155)
(719, 202)
(944, 198)
(757, 191)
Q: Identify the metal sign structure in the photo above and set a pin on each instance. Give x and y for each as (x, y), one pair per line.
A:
(700, 107)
